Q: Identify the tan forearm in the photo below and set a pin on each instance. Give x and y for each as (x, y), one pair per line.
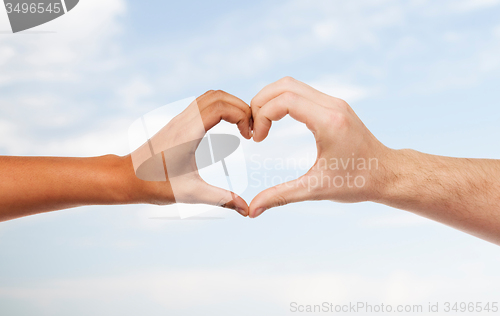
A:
(462, 193)
(31, 185)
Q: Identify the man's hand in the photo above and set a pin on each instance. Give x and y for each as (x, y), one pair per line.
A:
(348, 154)
(353, 166)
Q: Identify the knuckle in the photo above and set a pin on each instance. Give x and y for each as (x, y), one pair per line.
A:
(216, 107)
(342, 104)
(242, 118)
(279, 199)
(340, 120)
(218, 94)
(289, 97)
(219, 106)
(247, 110)
(253, 103)
(207, 93)
(287, 80)
(254, 112)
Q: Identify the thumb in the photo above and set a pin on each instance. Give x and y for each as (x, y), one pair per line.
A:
(282, 194)
(212, 195)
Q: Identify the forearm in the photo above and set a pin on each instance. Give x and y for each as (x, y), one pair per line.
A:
(30, 185)
(462, 193)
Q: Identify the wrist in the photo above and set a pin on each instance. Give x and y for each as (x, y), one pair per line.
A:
(132, 190)
(123, 187)
(395, 171)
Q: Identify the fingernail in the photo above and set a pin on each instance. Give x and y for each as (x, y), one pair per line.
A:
(240, 210)
(259, 211)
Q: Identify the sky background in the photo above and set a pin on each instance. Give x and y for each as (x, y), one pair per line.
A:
(420, 74)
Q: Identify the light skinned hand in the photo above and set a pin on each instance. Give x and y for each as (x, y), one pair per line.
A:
(341, 137)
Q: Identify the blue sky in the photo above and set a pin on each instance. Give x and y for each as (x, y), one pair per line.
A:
(420, 74)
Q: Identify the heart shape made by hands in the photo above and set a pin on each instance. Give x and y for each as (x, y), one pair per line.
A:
(347, 152)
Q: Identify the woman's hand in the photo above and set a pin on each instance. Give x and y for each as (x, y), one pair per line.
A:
(169, 156)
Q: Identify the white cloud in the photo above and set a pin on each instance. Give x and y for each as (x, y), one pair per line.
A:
(134, 92)
(470, 5)
(6, 54)
(335, 87)
(76, 44)
(8, 139)
(240, 48)
(82, 48)
(110, 137)
(107, 137)
(452, 37)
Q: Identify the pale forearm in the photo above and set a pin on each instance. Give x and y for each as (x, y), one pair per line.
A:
(30, 185)
(462, 193)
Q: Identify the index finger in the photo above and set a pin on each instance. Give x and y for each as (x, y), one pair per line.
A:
(211, 97)
(215, 106)
(287, 84)
(298, 107)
